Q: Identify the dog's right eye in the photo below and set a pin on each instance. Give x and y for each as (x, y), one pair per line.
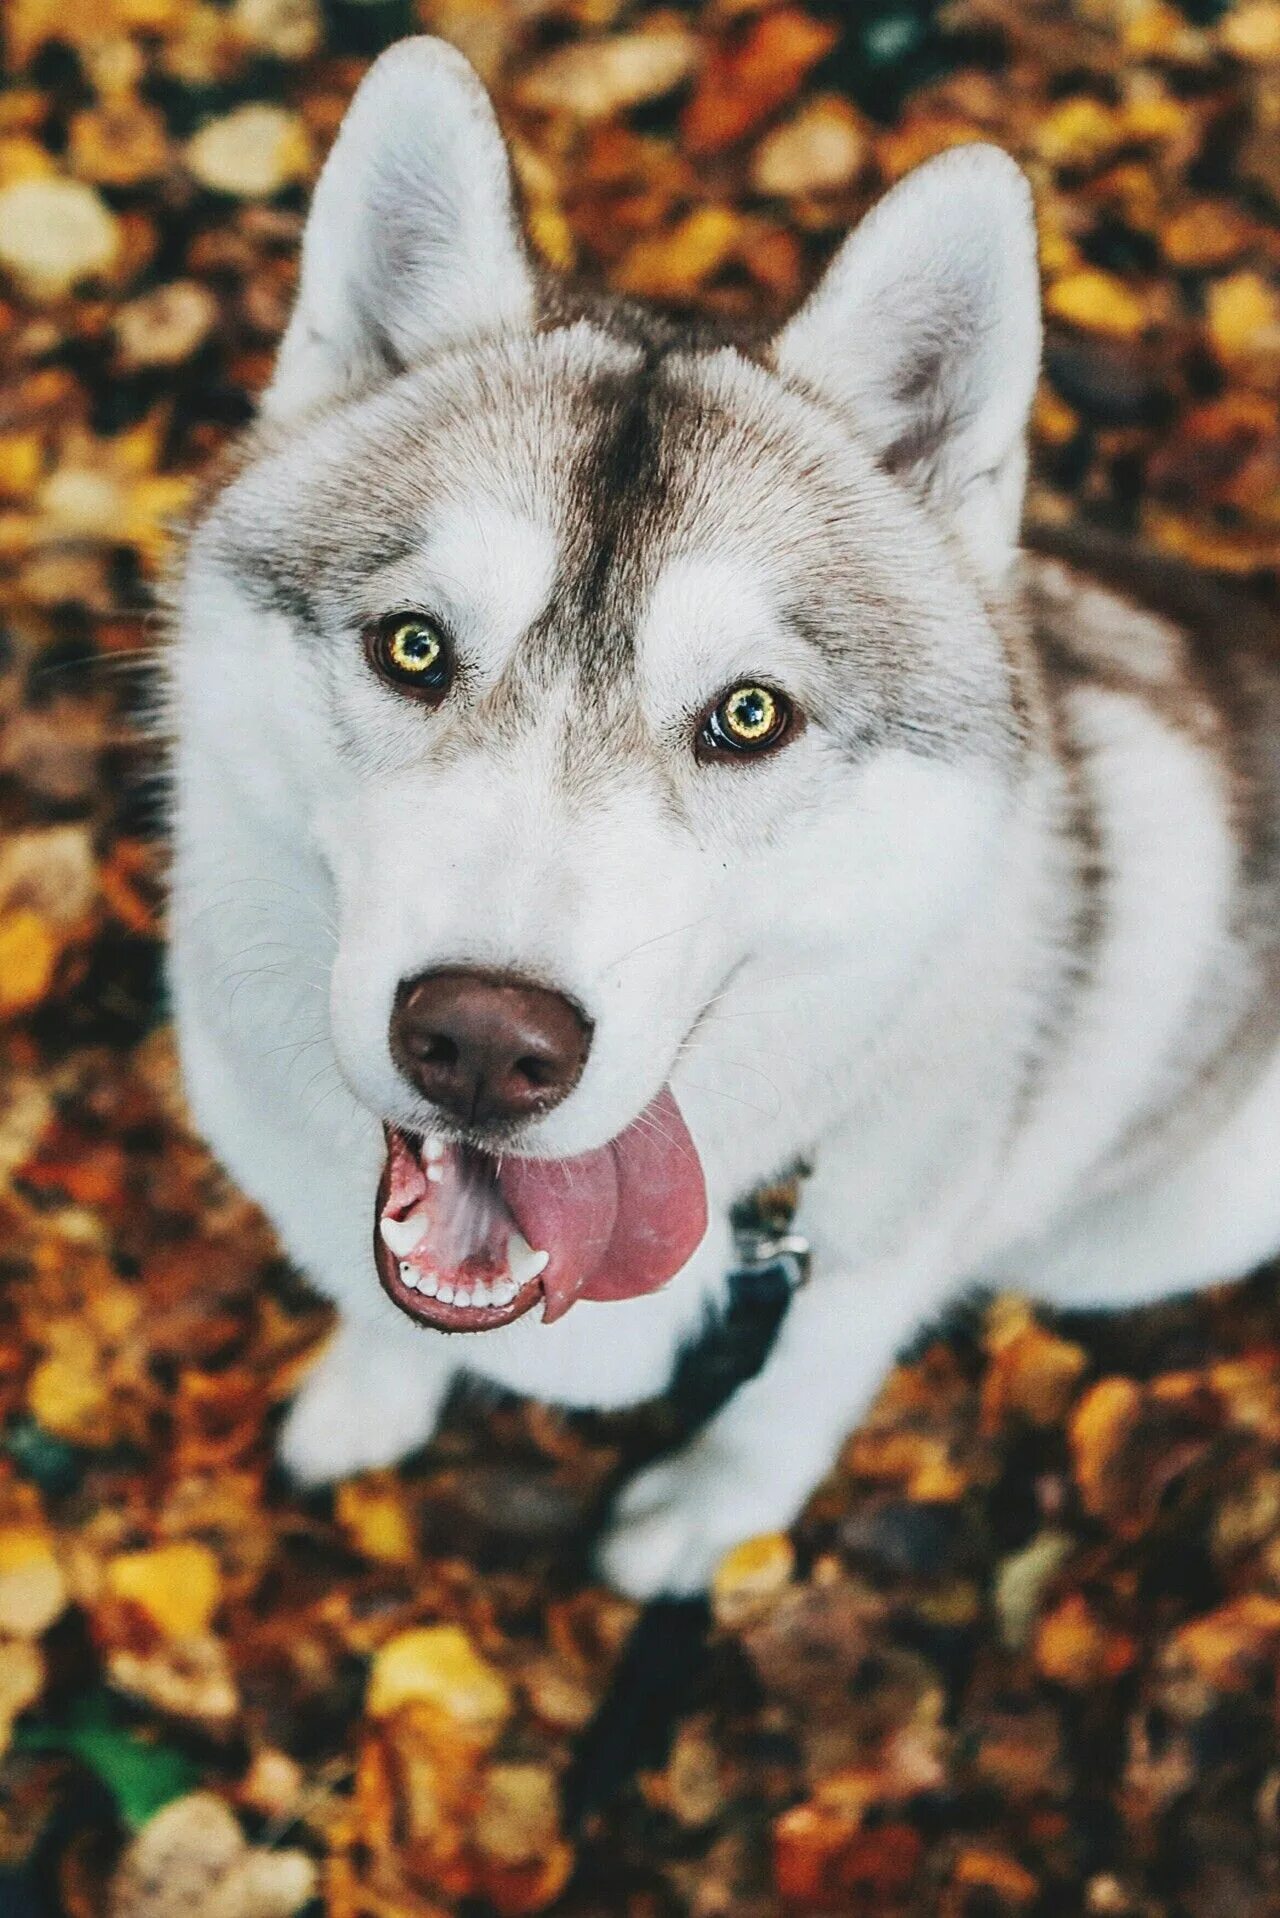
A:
(412, 653)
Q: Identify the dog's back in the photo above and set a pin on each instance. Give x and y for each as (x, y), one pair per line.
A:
(1162, 701)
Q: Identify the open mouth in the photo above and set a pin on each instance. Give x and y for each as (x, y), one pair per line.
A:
(465, 1241)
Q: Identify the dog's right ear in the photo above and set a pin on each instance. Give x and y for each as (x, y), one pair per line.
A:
(412, 243)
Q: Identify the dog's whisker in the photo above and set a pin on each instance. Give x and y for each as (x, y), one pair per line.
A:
(296, 1047)
(267, 974)
(232, 890)
(718, 1092)
(642, 945)
(302, 975)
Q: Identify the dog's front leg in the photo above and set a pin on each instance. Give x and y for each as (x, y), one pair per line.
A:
(374, 1394)
(754, 1465)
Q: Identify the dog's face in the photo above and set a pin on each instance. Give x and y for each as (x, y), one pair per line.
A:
(641, 698)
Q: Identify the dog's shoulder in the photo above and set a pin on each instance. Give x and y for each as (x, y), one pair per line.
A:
(1101, 606)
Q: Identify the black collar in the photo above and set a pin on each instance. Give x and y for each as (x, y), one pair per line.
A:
(771, 1264)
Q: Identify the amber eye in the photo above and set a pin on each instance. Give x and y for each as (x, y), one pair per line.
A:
(749, 719)
(412, 652)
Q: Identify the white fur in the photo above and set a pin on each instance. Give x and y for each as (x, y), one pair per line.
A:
(943, 269)
(1170, 861)
(841, 954)
(418, 162)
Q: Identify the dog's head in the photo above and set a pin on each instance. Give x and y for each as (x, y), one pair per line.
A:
(640, 693)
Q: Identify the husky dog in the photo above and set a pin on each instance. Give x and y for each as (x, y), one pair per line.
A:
(613, 763)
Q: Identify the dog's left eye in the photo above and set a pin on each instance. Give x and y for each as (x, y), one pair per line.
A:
(749, 719)
(412, 652)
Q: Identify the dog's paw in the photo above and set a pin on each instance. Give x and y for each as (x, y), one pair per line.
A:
(350, 1417)
(673, 1523)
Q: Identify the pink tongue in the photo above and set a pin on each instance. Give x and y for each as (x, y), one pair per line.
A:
(618, 1221)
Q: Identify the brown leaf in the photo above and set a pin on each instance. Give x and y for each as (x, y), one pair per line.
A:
(751, 75)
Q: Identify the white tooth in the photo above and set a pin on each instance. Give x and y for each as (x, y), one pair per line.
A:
(408, 1276)
(433, 1150)
(482, 1295)
(507, 1291)
(401, 1235)
(435, 1174)
(523, 1262)
(445, 1295)
(428, 1283)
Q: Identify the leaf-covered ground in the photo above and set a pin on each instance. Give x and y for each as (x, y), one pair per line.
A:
(1022, 1657)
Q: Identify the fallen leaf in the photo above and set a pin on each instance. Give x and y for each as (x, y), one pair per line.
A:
(1252, 32)
(597, 78)
(178, 1586)
(1244, 327)
(33, 1591)
(166, 326)
(750, 1577)
(674, 265)
(54, 233)
(28, 958)
(747, 79)
(250, 153)
(819, 150)
(69, 1398)
(191, 1860)
(1020, 1581)
(372, 1511)
(1074, 1648)
(1099, 301)
(437, 1665)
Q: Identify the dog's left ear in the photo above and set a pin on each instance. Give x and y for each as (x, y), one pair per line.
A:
(925, 332)
(412, 244)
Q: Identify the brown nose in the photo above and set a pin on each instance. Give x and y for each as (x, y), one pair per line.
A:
(486, 1045)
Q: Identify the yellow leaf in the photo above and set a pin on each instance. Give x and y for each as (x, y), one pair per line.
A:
(1206, 233)
(1244, 325)
(68, 1397)
(178, 1586)
(21, 463)
(55, 232)
(437, 1665)
(1079, 132)
(28, 956)
(32, 1589)
(552, 235)
(751, 1576)
(679, 262)
(251, 152)
(1153, 30)
(154, 506)
(596, 78)
(1099, 301)
(1154, 117)
(818, 151)
(1253, 32)
(23, 159)
(372, 1511)
(150, 16)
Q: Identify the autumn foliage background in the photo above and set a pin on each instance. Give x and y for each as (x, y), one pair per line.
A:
(1022, 1657)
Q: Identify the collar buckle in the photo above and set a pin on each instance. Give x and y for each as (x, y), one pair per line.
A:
(757, 1248)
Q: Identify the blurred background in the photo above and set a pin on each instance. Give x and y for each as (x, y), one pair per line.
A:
(1022, 1656)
